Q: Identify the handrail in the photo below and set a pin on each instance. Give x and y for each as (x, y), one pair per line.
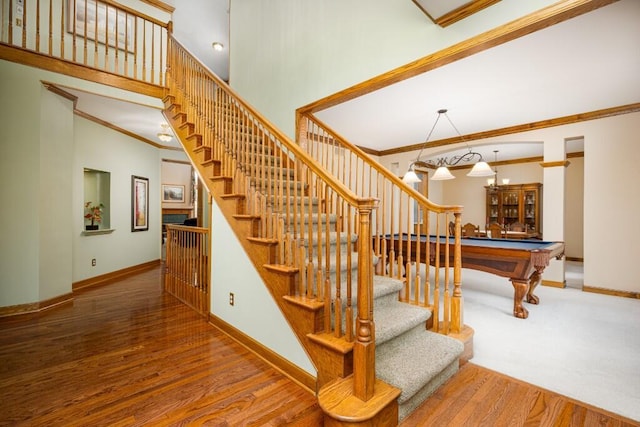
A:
(301, 116)
(344, 192)
(403, 211)
(322, 227)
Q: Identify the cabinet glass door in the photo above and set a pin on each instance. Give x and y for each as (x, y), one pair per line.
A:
(492, 211)
(530, 209)
(510, 207)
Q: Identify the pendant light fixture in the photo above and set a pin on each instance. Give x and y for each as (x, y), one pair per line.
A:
(493, 182)
(165, 135)
(480, 169)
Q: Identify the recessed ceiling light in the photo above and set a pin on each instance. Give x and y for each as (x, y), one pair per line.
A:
(217, 46)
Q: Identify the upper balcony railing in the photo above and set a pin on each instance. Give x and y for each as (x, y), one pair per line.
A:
(98, 34)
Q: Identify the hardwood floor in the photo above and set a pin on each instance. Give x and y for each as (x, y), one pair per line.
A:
(127, 354)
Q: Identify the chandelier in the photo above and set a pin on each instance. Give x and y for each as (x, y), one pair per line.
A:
(164, 135)
(480, 169)
(493, 182)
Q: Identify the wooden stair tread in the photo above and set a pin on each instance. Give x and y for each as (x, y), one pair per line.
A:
(210, 162)
(283, 269)
(338, 401)
(332, 342)
(233, 196)
(246, 216)
(263, 241)
(311, 304)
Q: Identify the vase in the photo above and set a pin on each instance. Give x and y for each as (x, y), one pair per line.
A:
(91, 227)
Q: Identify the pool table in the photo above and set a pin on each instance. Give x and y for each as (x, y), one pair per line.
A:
(522, 261)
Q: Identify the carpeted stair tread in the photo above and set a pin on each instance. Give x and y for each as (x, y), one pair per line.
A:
(383, 287)
(332, 237)
(394, 319)
(412, 360)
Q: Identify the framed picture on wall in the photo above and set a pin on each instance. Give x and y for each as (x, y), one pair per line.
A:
(173, 193)
(139, 203)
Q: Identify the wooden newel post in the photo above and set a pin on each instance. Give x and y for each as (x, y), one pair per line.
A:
(364, 349)
(456, 303)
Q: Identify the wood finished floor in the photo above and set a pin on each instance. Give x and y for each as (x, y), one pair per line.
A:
(127, 354)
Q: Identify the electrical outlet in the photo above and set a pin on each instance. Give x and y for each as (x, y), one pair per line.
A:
(93, 262)
(232, 298)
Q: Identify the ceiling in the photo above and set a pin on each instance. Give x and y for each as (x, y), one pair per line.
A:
(566, 69)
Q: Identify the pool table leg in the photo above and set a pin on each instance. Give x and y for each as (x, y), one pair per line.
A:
(533, 282)
(520, 287)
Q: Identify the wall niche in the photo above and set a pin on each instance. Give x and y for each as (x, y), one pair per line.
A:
(97, 200)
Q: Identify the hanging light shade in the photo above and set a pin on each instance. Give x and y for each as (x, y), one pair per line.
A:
(442, 173)
(480, 169)
(411, 177)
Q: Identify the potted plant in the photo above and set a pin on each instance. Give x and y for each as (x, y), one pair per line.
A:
(94, 214)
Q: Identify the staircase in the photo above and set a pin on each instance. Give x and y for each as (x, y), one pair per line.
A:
(310, 237)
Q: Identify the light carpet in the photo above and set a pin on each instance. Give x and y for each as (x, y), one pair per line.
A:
(583, 345)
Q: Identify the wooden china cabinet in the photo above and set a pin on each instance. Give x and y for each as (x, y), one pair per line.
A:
(508, 204)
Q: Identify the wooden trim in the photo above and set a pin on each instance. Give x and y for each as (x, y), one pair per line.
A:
(563, 163)
(61, 89)
(612, 292)
(49, 63)
(160, 5)
(553, 284)
(546, 17)
(463, 12)
(123, 131)
(182, 162)
(295, 373)
(559, 121)
(35, 307)
(107, 278)
(61, 92)
(568, 258)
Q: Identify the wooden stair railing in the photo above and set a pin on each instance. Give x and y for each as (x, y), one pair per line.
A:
(298, 224)
(187, 266)
(98, 40)
(313, 234)
(402, 210)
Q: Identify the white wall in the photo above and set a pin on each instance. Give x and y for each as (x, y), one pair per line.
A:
(611, 199)
(574, 208)
(21, 208)
(56, 166)
(43, 150)
(255, 312)
(103, 149)
(288, 53)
